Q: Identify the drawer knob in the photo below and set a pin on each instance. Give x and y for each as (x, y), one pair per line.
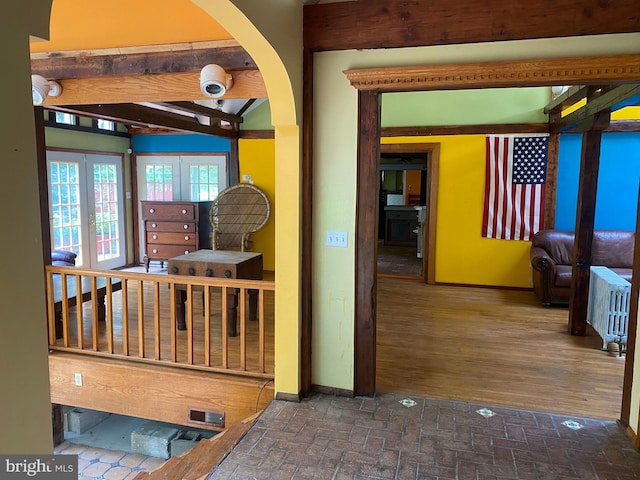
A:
(155, 250)
(192, 271)
(227, 273)
(209, 272)
(154, 225)
(152, 210)
(155, 237)
(175, 269)
(186, 227)
(186, 237)
(186, 251)
(184, 211)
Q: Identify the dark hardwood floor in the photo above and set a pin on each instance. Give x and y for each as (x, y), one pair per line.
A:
(492, 346)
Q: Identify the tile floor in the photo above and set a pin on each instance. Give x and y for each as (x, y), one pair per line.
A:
(102, 464)
(327, 437)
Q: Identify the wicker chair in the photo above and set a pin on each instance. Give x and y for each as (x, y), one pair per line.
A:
(235, 214)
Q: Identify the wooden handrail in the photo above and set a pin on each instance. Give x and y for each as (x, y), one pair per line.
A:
(119, 317)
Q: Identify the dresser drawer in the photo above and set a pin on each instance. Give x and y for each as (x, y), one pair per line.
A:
(187, 227)
(164, 252)
(168, 211)
(172, 238)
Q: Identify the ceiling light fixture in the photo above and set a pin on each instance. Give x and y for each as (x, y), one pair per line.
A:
(41, 88)
(214, 81)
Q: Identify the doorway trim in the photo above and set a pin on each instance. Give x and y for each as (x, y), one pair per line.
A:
(371, 83)
(433, 165)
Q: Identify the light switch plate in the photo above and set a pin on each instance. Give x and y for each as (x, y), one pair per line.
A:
(336, 239)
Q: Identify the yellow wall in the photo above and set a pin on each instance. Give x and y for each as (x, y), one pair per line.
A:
(461, 252)
(257, 158)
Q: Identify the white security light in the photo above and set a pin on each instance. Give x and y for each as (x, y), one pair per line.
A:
(214, 81)
(41, 88)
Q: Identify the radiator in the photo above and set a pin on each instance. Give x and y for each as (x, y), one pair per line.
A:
(608, 307)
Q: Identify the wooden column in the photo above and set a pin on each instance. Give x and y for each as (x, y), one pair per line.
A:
(307, 224)
(585, 216)
(234, 162)
(632, 332)
(368, 188)
(551, 189)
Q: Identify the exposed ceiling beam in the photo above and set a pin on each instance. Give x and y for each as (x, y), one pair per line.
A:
(125, 62)
(246, 106)
(197, 109)
(614, 99)
(147, 116)
(358, 25)
(572, 96)
(168, 87)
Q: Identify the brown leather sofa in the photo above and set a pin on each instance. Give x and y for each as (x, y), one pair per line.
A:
(552, 257)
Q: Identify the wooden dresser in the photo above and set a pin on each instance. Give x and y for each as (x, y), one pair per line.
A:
(174, 228)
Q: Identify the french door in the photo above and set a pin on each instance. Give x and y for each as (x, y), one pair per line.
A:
(86, 207)
(179, 177)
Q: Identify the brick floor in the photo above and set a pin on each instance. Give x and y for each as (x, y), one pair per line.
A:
(333, 438)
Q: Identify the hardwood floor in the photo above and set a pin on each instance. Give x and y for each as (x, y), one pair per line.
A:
(491, 346)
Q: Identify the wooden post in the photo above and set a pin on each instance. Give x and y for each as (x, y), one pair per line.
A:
(367, 246)
(306, 275)
(632, 332)
(58, 424)
(585, 217)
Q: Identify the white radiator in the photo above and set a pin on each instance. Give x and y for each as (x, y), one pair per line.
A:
(608, 307)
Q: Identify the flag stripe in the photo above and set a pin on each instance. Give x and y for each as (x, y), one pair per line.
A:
(514, 186)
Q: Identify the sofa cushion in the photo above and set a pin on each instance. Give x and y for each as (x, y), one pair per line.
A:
(612, 248)
(563, 276)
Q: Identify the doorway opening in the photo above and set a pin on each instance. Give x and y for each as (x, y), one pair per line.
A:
(407, 210)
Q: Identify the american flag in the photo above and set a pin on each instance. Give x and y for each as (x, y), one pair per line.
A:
(514, 186)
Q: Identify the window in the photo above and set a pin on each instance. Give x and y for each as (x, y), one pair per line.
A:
(66, 118)
(103, 124)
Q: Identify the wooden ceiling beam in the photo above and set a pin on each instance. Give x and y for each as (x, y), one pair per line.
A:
(610, 100)
(197, 109)
(572, 96)
(132, 61)
(169, 87)
(147, 117)
(358, 25)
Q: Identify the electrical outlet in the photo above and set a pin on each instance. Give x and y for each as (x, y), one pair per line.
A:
(336, 239)
(77, 379)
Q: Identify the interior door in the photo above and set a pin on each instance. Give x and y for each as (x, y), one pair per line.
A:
(86, 207)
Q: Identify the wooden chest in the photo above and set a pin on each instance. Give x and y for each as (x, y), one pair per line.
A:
(218, 263)
(174, 228)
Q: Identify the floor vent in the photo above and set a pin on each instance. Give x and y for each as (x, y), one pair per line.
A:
(206, 417)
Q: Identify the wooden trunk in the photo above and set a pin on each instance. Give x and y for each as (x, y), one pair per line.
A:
(219, 264)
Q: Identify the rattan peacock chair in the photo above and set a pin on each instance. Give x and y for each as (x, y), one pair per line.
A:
(235, 214)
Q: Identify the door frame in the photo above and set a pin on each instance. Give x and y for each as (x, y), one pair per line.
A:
(371, 83)
(429, 228)
(85, 227)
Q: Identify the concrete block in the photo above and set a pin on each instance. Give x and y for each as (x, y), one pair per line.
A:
(183, 442)
(154, 441)
(80, 420)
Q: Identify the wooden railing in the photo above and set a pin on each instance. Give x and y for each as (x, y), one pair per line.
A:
(132, 316)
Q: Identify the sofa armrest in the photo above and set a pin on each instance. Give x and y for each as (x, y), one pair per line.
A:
(543, 274)
(541, 260)
(63, 258)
